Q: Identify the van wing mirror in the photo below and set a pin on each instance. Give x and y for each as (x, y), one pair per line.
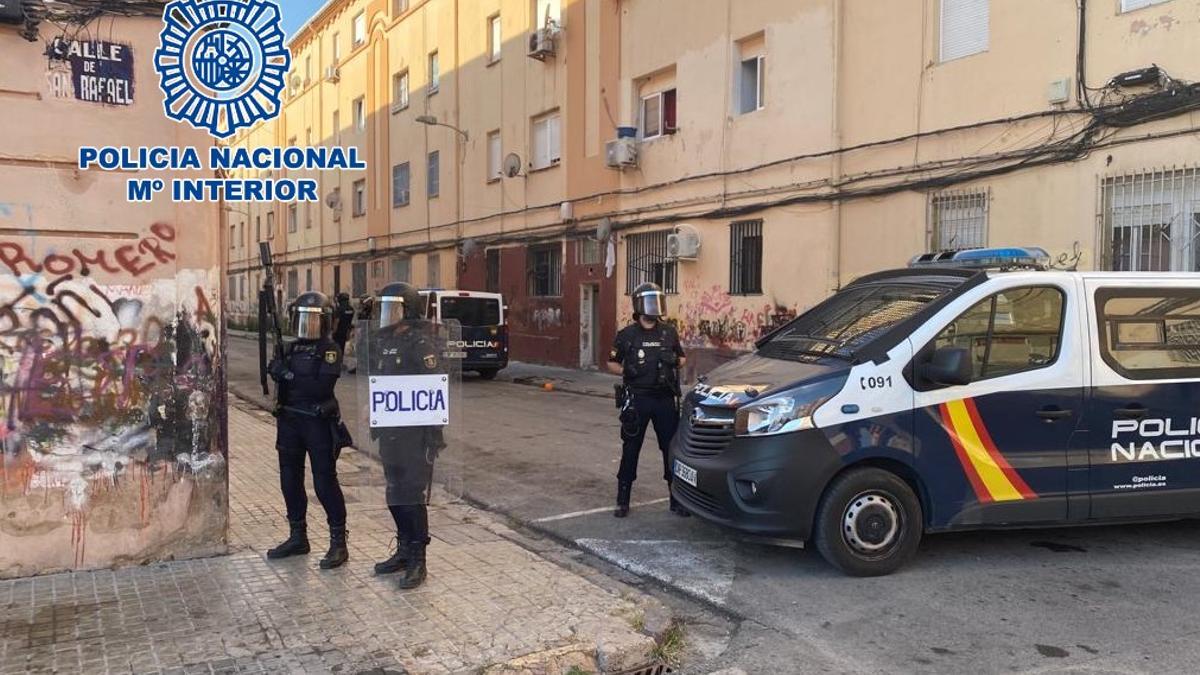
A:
(948, 366)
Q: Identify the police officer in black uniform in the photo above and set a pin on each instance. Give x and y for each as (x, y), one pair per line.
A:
(310, 423)
(405, 344)
(648, 356)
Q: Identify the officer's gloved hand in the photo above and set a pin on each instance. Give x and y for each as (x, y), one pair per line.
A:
(364, 308)
(279, 372)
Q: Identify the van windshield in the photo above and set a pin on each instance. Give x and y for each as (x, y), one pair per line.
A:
(471, 311)
(849, 320)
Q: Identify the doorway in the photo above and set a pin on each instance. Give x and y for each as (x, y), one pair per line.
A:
(589, 325)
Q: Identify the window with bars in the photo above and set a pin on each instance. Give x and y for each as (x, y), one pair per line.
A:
(745, 257)
(493, 270)
(433, 270)
(543, 267)
(1150, 221)
(588, 252)
(958, 220)
(647, 261)
(402, 269)
(358, 279)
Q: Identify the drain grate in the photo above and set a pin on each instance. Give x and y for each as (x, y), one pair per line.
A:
(652, 669)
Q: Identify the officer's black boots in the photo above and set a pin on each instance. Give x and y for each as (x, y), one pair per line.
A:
(678, 509)
(338, 554)
(395, 563)
(295, 544)
(623, 490)
(414, 565)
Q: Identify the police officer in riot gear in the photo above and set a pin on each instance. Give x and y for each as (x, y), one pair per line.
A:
(310, 424)
(648, 356)
(405, 345)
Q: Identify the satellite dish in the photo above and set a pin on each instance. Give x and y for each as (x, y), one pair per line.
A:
(604, 229)
(334, 200)
(469, 247)
(512, 165)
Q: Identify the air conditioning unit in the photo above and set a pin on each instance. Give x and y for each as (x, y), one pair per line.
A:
(683, 243)
(541, 43)
(621, 153)
(332, 74)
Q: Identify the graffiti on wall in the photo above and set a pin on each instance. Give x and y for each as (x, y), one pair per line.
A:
(105, 382)
(710, 318)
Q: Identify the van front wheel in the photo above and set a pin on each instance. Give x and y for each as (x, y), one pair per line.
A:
(869, 523)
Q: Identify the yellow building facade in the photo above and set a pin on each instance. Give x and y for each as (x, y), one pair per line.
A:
(778, 150)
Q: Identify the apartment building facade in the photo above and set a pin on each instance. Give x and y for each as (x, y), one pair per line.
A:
(785, 148)
(464, 134)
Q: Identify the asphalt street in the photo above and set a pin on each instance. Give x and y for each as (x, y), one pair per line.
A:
(1101, 599)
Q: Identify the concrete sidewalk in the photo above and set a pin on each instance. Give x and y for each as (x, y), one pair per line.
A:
(491, 601)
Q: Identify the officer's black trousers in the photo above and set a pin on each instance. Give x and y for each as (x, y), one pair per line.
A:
(412, 522)
(659, 410)
(299, 435)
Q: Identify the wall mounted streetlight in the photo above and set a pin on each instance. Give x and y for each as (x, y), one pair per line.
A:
(432, 121)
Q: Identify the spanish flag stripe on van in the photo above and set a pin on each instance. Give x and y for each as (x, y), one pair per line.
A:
(990, 474)
(1013, 477)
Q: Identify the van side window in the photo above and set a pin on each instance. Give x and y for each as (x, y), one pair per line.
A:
(1013, 331)
(1148, 334)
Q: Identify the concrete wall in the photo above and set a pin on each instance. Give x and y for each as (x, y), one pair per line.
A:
(111, 380)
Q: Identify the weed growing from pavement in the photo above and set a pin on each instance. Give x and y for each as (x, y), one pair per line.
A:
(639, 622)
(576, 670)
(670, 644)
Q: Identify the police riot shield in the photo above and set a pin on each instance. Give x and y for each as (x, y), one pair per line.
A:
(407, 386)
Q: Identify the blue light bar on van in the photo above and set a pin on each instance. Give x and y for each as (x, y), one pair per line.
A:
(1013, 256)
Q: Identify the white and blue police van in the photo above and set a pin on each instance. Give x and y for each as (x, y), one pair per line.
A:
(483, 343)
(971, 390)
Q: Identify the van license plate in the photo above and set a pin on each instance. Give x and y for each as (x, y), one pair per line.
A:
(685, 473)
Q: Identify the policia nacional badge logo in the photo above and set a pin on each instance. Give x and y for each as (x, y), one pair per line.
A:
(331, 357)
(221, 63)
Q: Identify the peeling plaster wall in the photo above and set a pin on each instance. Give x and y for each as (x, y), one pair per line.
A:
(112, 393)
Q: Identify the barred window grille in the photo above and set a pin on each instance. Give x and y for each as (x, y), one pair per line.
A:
(544, 269)
(745, 257)
(647, 261)
(958, 220)
(1150, 221)
(402, 269)
(493, 270)
(358, 279)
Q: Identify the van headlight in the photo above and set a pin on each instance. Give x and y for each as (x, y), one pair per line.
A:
(786, 412)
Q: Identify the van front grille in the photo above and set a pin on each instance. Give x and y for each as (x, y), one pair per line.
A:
(706, 440)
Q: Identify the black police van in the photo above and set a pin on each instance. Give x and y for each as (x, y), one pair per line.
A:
(971, 390)
(483, 345)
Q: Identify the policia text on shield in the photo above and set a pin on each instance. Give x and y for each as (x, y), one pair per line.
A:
(647, 355)
(408, 405)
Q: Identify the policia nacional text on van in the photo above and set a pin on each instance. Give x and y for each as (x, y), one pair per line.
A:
(971, 390)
